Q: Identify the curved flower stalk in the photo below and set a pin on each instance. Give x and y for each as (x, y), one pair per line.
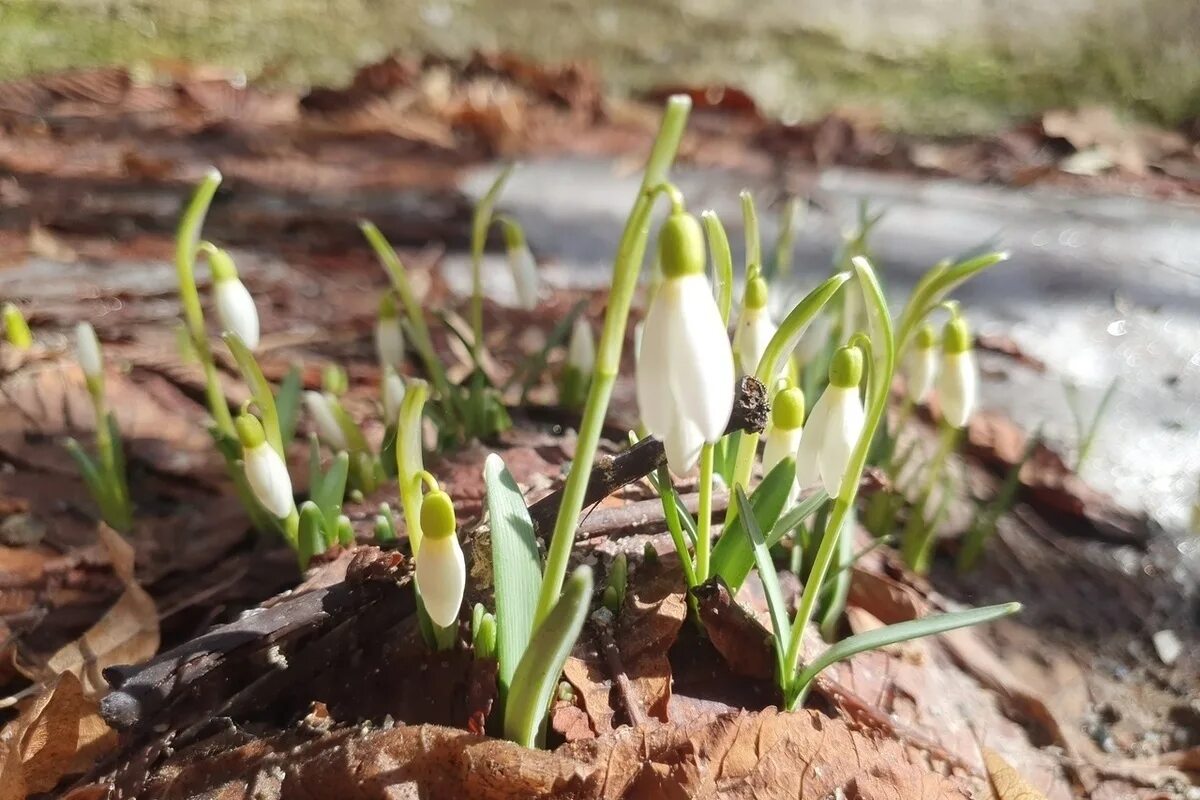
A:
(235, 306)
(834, 426)
(389, 335)
(409, 458)
(921, 365)
(754, 326)
(581, 361)
(785, 435)
(441, 574)
(958, 381)
(685, 373)
(265, 471)
(16, 329)
(522, 263)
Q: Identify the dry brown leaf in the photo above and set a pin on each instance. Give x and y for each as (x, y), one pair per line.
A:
(60, 733)
(1007, 783)
(12, 776)
(126, 634)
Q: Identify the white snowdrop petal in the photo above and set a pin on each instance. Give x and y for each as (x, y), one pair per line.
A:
(921, 371)
(843, 427)
(683, 444)
(754, 332)
(581, 351)
(268, 479)
(393, 396)
(237, 311)
(441, 578)
(328, 429)
(655, 404)
(780, 444)
(389, 342)
(701, 363)
(87, 349)
(958, 387)
(525, 276)
(808, 464)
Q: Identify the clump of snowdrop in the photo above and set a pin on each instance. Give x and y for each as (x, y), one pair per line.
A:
(754, 326)
(958, 381)
(834, 425)
(235, 306)
(265, 471)
(441, 571)
(685, 374)
(389, 336)
(921, 363)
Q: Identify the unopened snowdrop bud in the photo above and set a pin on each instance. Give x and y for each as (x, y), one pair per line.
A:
(921, 368)
(265, 470)
(393, 396)
(441, 571)
(787, 425)
(87, 350)
(581, 360)
(685, 369)
(834, 425)
(523, 266)
(958, 382)
(235, 306)
(389, 336)
(320, 409)
(754, 328)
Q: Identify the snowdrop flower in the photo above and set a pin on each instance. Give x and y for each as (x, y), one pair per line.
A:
(320, 409)
(921, 367)
(235, 306)
(389, 336)
(581, 360)
(834, 425)
(685, 370)
(393, 396)
(265, 470)
(523, 266)
(754, 326)
(958, 383)
(784, 435)
(441, 571)
(87, 350)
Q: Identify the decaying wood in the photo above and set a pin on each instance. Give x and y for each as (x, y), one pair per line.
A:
(642, 517)
(750, 410)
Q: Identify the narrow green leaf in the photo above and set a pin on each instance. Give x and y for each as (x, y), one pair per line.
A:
(311, 537)
(837, 584)
(733, 557)
(287, 404)
(780, 624)
(895, 634)
(333, 492)
(96, 484)
(516, 567)
(264, 398)
(483, 638)
(796, 516)
(537, 674)
(316, 475)
(345, 531)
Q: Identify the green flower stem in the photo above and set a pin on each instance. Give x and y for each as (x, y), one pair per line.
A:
(704, 513)
(753, 241)
(187, 241)
(881, 380)
(718, 246)
(628, 263)
(480, 222)
(260, 389)
(412, 307)
(675, 526)
(777, 350)
(408, 459)
(918, 541)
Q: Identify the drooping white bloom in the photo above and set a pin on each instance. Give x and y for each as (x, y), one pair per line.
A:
(685, 376)
(389, 336)
(581, 350)
(320, 409)
(265, 471)
(525, 275)
(87, 350)
(393, 396)
(958, 381)
(782, 438)
(921, 364)
(834, 426)
(441, 570)
(235, 306)
(754, 327)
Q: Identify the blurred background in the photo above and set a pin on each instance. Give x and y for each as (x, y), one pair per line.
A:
(922, 65)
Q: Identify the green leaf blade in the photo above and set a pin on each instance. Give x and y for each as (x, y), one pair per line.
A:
(780, 624)
(733, 556)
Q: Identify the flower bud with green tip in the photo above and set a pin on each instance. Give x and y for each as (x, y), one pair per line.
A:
(685, 375)
(754, 326)
(265, 471)
(958, 382)
(784, 436)
(522, 264)
(16, 329)
(581, 360)
(834, 425)
(87, 350)
(320, 410)
(921, 364)
(441, 570)
(235, 306)
(334, 380)
(393, 396)
(389, 335)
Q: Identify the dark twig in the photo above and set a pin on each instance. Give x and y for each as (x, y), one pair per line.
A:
(750, 411)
